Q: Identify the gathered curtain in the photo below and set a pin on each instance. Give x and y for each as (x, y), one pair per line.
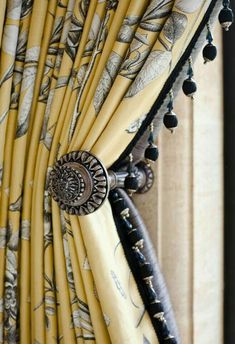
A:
(75, 75)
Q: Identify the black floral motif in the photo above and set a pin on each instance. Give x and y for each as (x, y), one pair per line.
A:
(127, 29)
(16, 206)
(174, 27)
(7, 75)
(26, 7)
(76, 29)
(112, 4)
(21, 46)
(156, 10)
(27, 86)
(139, 48)
(10, 298)
(154, 66)
(73, 37)
(110, 71)
(55, 36)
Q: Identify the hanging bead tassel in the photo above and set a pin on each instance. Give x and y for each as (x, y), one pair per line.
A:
(131, 181)
(226, 16)
(151, 152)
(209, 52)
(170, 119)
(189, 85)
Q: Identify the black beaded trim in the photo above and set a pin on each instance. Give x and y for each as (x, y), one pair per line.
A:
(142, 270)
(166, 88)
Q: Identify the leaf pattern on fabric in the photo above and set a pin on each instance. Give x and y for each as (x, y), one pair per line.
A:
(134, 126)
(13, 9)
(3, 237)
(46, 81)
(12, 239)
(154, 66)
(118, 284)
(10, 298)
(48, 234)
(29, 76)
(156, 10)
(21, 46)
(46, 136)
(62, 81)
(75, 31)
(174, 27)
(56, 36)
(86, 265)
(3, 116)
(17, 205)
(92, 36)
(81, 74)
(73, 37)
(25, 230)
(112, 4)
(127, 31)
(26, 8)
(188, 6)
(7, 75)
(82, 320)
(107, 319)
(106, 80)
(9, 40)
(131, 66)
(18, 74)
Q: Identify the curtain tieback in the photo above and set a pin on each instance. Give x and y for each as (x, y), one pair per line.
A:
(80, 183)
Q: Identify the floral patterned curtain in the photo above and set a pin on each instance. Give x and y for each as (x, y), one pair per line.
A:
(75, 74)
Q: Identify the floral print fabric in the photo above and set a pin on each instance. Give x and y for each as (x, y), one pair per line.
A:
(75, 74)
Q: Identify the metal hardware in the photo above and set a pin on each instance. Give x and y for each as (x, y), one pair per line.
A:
(80, 183)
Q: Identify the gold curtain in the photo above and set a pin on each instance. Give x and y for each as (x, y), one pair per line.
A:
(75, 74)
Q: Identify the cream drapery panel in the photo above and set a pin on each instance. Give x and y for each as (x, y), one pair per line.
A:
(75, 74)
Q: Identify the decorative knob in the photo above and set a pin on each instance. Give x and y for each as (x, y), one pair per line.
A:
(79, 183)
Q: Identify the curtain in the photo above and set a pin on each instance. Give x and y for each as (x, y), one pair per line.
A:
(75, 74)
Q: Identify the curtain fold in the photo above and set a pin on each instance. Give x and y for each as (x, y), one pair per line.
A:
(75, 74)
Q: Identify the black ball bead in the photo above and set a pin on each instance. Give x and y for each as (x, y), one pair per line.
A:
(226, 17)
(131, 182)
(170, 120)
(151, 152)
(209, 52)
(189, 87)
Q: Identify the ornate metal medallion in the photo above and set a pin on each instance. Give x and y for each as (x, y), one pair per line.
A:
(79, 183)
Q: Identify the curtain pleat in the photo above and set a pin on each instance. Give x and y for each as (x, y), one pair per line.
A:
(75, 74)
